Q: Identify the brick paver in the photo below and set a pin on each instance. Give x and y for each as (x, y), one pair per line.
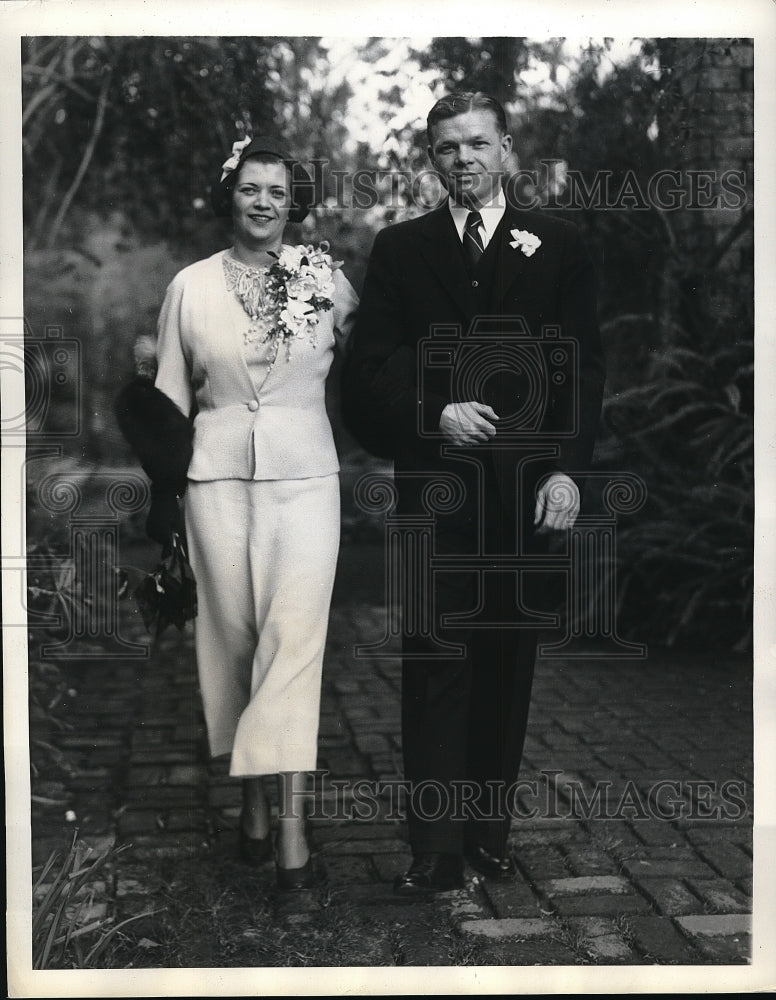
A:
(643, 868)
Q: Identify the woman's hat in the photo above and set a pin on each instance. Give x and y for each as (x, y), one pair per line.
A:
(302, 186)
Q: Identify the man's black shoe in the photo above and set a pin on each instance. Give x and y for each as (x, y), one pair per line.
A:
(430, 873)
(502, 868)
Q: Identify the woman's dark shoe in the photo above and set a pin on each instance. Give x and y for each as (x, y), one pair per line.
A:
(254, 851)
(293, 879)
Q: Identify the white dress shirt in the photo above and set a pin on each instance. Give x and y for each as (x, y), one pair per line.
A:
(491, 214)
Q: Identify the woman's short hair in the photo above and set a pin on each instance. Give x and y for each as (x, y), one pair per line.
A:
(461, 102)
(266, 150)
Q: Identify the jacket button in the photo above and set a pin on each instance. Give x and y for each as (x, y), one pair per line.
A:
(253, 406)
(475, 284)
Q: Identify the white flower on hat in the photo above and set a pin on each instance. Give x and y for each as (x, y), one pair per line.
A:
(529, 243)
(231, 164)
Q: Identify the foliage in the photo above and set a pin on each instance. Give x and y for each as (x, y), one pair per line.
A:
(685, 562)
(52, 597)
(153, 118)
(68, 932)
(70, 928)
(143, 114)
(676, 306)
(50, 768)
(55, 598)
(492, 65)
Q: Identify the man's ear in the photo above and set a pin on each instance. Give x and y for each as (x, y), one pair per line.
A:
(506, 146)
(430, 154)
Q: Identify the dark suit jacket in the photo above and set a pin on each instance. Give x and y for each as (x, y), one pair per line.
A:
(400, 374)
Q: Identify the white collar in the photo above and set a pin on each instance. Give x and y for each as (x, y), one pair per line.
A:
(491, 213)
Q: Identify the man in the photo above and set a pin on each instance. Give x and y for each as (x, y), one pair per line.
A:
(508, 424)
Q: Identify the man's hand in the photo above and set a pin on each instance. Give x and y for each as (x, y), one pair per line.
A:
(557, 504)
(467, 423)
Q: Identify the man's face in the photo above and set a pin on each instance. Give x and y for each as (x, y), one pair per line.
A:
(469, 152)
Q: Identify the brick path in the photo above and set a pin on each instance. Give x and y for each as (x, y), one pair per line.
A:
(644, 874)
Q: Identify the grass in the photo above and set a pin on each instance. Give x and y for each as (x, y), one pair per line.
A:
(212, 914)
(70, 925)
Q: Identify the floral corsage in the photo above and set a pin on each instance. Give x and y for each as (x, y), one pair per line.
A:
(284, 300)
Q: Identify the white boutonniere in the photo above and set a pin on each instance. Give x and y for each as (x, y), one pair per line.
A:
(525, 241)
(231, 164)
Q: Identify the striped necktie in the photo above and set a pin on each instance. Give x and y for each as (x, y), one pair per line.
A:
(472, 241)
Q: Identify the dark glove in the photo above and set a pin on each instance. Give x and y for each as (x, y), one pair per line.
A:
(158, 433)
(164, 517)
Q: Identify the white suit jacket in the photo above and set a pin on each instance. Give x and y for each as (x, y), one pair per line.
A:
(252, 421)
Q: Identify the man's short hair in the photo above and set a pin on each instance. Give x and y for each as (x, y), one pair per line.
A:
(460, 103)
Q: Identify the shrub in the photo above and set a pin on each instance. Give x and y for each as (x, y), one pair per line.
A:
(685, 561)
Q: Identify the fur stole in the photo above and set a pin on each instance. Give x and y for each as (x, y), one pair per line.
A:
(158, 433)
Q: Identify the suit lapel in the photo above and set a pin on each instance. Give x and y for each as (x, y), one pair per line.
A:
(506, 265)
(441, 248)
(510, 262)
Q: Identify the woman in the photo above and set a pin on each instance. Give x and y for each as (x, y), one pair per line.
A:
(249, 348)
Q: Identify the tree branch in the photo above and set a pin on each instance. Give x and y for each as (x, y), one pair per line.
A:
(51, 75)
(99, 118)
(719, 252)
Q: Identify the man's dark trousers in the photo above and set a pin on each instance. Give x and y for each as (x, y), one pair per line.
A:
(464, 719)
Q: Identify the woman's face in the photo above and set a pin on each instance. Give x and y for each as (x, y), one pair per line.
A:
(261, 202)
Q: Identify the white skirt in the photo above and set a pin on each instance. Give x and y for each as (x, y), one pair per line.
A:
(264, 553)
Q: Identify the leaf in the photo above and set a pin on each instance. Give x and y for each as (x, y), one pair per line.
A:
(733, 393)
(45, 869)
(44, 800)
(744, 446)
(148, 943)
(56, 887)
(688, 410)
(677, 357)
(106, 939)
(664, 399)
